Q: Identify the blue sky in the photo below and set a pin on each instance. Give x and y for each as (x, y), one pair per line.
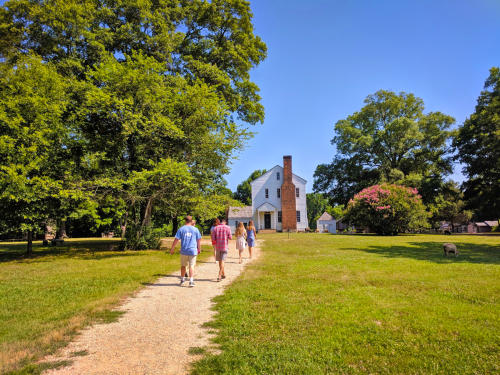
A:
(326, 56)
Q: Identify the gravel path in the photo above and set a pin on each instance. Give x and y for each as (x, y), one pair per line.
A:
(161, 323)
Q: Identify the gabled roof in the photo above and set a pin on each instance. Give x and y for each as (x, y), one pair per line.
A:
(266, 206)
(481, 224)
(491, 223)
(239, 212)
(326, 217)
(273, 169)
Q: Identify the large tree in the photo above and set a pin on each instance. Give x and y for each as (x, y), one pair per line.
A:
(392, 140)
(35, 178)
(449, 206)
(150, 82)
(244, 190)
(478, 146)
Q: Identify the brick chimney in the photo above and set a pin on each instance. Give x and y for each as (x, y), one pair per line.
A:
(288, 203)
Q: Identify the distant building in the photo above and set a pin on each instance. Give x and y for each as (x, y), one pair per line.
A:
(471, 227)
(326, 223)
(278, 201)
(235, 215)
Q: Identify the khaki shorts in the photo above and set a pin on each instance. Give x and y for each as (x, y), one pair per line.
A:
(188, 260)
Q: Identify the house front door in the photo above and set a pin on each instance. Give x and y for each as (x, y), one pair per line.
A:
(267, 220)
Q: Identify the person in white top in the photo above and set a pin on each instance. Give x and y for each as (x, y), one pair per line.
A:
(241, 239)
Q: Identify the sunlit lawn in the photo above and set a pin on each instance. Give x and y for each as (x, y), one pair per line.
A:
(44, 300)
(335, 304)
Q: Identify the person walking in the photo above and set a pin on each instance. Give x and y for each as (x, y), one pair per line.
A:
(241, 236)
(190, 238)
(251, 237)
(215, 223)
(221, 236)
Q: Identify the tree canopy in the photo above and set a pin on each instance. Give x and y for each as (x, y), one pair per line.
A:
(244, 190)
(392, 140)
(478, 149)
(151, 92)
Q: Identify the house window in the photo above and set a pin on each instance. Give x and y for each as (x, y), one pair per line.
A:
(267, 193)
(277, 175)
(278, 192)
(298, 216)
(279, 216)
(297, 192)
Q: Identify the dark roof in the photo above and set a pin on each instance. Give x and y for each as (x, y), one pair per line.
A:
(239, 212)
(326, 217)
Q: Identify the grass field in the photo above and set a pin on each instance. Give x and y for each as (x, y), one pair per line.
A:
(46, 299)
(361, 304)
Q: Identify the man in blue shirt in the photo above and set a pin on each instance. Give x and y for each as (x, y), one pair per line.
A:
(190, 238)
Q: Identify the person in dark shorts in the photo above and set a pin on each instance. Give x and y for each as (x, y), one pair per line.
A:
(221, 235)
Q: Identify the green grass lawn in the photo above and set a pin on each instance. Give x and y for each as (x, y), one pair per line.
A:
(359, 304)
(46, 299)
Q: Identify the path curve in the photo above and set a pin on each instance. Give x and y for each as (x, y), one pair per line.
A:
(161, 323)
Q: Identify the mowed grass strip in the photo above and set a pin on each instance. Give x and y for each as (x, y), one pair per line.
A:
(46, 299)
(319, 303)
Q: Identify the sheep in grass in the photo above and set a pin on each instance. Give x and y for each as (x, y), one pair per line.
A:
(450, 248)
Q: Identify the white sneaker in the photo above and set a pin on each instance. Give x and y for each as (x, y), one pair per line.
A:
(182, 281)
(191, 283)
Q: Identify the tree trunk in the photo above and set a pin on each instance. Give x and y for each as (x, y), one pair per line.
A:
(146, 218)
(175, 225)
(61, 230)
(29, 248)
(123, 225)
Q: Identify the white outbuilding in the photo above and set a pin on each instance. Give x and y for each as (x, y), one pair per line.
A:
(326, 223)
(235, 215)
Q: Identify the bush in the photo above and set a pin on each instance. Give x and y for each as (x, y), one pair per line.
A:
(387, 209)
(150, 238)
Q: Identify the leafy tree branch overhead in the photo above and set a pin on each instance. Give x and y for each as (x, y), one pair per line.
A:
(144, 83)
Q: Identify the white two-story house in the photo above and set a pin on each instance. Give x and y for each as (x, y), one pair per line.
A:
(278, 201)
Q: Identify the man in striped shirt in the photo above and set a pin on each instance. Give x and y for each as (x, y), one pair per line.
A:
(221, 235)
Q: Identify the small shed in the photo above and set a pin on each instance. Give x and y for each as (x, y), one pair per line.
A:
(326, 223)
(486, 226)
(235, 215)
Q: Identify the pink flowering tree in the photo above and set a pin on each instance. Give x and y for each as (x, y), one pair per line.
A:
(387, 209)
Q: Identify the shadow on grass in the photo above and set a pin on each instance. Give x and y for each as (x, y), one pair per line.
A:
(433, 251)
(94, 250)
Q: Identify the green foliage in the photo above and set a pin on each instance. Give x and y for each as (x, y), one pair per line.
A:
(449, 206)
(105, 95)
(387, 209)
(147, 238)
(244, 190)
(389, 140)
(35, 162)
(317, 204)
(478, 146)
